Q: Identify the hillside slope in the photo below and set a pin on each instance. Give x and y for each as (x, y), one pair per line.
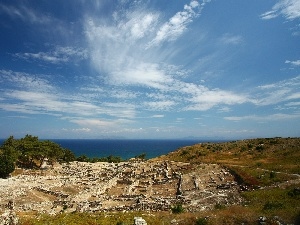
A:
(267, 170)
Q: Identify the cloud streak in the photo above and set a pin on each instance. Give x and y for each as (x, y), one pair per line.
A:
(290, 9)
(56, 56)
(272, 117)
(283, 91)
(24, 13)
(177, 24)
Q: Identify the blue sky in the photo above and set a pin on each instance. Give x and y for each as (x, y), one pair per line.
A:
(150, 69)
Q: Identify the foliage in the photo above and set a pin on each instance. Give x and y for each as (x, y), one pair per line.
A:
(7, 166)
(110, 159)
(201, 221)
(177, 209)
(30, 152)
(141, 156)
(68, 156)
(219, 206)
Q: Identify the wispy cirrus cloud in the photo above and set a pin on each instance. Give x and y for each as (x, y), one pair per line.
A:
(272, 117)
(231, 39)
(24, 13)
(58, 55)
(34, 94)
(283, 91)
(21, 80)
(290, 9)
(177, 24)
(121, 53)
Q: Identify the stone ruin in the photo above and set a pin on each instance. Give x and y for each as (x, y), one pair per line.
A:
(9, 217)
(126, 186)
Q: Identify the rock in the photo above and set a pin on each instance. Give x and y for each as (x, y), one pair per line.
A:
(9, 217)
(262, 220)
(174, 222)
(139, 221)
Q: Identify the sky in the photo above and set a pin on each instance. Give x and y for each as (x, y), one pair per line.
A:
(148, 69)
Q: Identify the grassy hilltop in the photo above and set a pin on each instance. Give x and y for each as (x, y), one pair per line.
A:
(248, 158)
(267, 170)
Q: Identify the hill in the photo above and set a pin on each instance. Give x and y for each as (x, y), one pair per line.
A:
(266, 168)
(237, 182)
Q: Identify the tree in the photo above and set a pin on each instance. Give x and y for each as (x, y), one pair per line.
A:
(7, 166)
(9, 148)
(29, 148)
(68, 156)
(83, 158)
(141, 156)
(30, 152)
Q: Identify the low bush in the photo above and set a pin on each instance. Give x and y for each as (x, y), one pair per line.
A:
(177, 209)
(201, 221)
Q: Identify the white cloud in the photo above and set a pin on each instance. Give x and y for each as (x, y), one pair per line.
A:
(294, 63)
(177, 24)
(139, 24)
(202, 98)
(58, 55)
(20, 11)
(144, 74)
(157, 116)
(159, 105)
(231, 39)
(118, 52)
(224, 109)
(82, 130)
(290, 9)
(272, 117)
(33, 94)
(281, 91)
(93, 122)
(26, 81)
(293, 104)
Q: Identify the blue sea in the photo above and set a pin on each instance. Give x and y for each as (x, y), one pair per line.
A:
(126, 148)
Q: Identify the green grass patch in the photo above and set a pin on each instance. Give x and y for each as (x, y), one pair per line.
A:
(276, 201)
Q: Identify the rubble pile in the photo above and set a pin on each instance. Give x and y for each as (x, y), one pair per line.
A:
(126, 186)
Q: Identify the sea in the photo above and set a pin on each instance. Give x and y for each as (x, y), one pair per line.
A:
(124, 148)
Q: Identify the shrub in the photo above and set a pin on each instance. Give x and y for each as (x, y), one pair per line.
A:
(201, 221)
(177, 209)
(272, 175)
(273, 205)
(295, 193)
(184, 152)
(219, 206)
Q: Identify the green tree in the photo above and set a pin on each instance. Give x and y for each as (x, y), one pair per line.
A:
(8, 148)
(68, 156)
(7, 166)
(141, 156)
(29, 148)
(83, 158)
(30, 152)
